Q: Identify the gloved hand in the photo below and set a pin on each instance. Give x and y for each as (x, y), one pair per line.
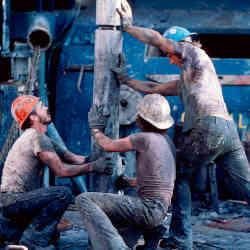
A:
(122, 182)
(121, 71)
(96, 117)
(125, 14)
(103, 165)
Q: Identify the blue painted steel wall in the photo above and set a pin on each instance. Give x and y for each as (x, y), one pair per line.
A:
(71, 107)
(71, 119)
(7, 94)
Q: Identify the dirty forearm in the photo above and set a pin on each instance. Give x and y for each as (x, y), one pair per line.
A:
(166, 89)
(101, 139)
(144, 35)
(72, 158)
(61, 169)
(112, 145)
(142, 86)
(132, 182)
(151, 37)
(76, 170)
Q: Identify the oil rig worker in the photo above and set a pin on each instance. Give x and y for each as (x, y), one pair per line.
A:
(36, 211)
(104, 213)
(210, 134)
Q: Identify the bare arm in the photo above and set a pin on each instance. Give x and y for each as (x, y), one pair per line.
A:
(110, 145)
(166, 89)
(52, 160)
(132, 182)
(72, 158)
(151, 37)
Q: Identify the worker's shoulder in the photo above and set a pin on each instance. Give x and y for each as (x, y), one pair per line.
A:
(33, 134)
(189, 49)
(153, 136)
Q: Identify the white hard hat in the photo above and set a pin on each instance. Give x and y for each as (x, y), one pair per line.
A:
(154, 108)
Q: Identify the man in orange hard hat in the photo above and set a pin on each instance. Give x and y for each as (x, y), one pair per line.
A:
(36, 211)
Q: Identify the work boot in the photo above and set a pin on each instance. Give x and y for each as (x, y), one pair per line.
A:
(171, 243)
(152, 238)
(55, 237)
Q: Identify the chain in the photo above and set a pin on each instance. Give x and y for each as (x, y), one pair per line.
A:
(12, 135)
(31, 83)
(30, 86)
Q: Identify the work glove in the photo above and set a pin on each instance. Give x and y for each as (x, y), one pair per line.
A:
(96, 118)
(121, 71)
(103, 165)
(125, 13)
(122, 182)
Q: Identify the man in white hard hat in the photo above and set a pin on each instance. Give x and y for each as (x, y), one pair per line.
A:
(209, 133)
(103, 213)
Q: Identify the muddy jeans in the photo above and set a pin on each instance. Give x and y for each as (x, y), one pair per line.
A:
(212, 140)
(104, 213)
(36, 213)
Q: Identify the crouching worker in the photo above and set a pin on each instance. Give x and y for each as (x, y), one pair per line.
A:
(104, 213)
(35, 211)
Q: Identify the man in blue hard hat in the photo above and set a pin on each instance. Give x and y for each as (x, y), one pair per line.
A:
(209, 133)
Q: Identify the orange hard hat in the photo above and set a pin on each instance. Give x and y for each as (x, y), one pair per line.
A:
(21, 108)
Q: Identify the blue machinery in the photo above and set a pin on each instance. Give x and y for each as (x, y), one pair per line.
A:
(64, 30)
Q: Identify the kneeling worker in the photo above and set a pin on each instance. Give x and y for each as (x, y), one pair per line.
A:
(35, 211)
(103, 213)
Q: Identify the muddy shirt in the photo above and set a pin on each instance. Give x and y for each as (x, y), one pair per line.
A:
(22, 168)
(155, 166)
(199, 88)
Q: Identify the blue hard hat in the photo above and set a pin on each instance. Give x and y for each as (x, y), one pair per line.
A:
(178, 34)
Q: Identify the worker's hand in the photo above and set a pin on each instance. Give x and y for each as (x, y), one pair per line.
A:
(103, 165)
(125, 14)
(96, 118)
(122, 182)
(121, 71)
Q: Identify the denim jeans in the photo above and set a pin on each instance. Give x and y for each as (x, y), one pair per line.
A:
(36, 213)
(212, 140)
(103, 214)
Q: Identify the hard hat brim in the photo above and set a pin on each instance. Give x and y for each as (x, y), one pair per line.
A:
(160, 125)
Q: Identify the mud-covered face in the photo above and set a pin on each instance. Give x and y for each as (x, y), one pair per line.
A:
(174, 59)
(43, 113)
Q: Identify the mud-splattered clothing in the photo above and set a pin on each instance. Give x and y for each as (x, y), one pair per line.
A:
(35, 216)
(199, 88)
(209, 136)
(155, 166)
(36, 211)
(22, 171)
(104, 214)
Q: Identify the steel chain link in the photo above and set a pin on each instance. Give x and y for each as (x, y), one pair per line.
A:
(30, 86)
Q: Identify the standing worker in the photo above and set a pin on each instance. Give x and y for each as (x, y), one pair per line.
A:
(104, 213)
(210, 134)
(35, 211)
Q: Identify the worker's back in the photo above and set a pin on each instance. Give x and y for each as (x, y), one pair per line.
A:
(155, 166)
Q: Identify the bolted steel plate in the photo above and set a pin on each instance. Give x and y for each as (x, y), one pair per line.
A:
(129, 99)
